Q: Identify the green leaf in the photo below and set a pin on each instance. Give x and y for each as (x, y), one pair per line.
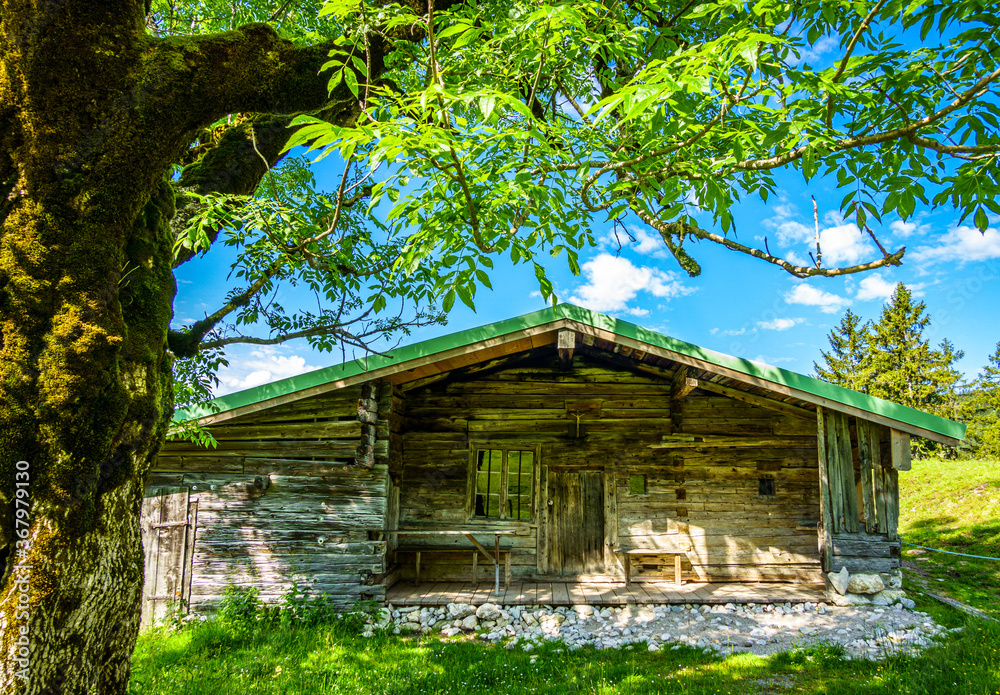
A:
(981, 219)
(352, 81)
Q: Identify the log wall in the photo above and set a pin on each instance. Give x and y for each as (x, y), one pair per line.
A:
(282, 499)
(703, 501)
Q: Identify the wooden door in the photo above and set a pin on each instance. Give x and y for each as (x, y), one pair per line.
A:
(167, 521)
(576, 522)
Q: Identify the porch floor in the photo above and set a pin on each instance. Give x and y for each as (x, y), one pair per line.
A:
(406, 593)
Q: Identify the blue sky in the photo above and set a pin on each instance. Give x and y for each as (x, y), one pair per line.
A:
(739, 305)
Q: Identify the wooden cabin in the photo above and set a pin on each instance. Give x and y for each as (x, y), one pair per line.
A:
(560, 446)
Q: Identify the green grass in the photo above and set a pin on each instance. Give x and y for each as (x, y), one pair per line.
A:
(949, 505)
(207, 660)
(953, 505)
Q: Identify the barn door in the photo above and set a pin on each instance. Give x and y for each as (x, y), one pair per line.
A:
(576, 522)
(167, 521)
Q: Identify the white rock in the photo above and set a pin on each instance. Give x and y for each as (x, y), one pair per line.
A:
(865, 584)
(470, 623)
(488, 611)
(460, 610)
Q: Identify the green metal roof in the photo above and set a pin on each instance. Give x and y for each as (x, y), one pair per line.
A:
(401, 355)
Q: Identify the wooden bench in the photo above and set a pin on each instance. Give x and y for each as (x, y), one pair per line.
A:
(419, 550)
(631, 556)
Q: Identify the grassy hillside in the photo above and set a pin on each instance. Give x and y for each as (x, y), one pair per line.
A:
(953, 505)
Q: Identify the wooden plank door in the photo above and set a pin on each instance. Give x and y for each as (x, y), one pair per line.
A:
(576, 522)
(167, 524)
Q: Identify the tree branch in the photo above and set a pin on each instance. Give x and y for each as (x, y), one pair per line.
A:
(847, 56)
(186, 343)
(671, 230)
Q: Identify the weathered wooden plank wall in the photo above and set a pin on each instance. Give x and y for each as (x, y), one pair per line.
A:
(862, 488)
(282, 499)
(703, 501)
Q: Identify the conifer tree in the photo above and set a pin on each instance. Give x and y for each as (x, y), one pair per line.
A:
(948, 380)
(901, 360)
(984, 423)
(846, 363)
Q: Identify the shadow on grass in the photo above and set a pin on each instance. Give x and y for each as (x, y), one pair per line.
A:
(206, 661)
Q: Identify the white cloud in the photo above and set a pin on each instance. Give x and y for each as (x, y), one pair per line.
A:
(827, 302)
(812, 54)
(262, 367)
(962, 245)
(905, 230)
(729, 332)
(841, 242)
(875, 287)
(613, 282)
(779, 324)
(645, 243)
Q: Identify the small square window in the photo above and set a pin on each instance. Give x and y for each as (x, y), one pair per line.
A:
(637, 485)
(765, 487)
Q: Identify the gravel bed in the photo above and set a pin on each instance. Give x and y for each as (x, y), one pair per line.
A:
(865, 631)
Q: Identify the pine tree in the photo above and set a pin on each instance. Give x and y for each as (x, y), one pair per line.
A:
(948, 381)
(900, 359)
(846, 363)
(984, 423)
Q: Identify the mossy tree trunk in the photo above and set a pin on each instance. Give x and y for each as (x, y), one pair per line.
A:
(93, 115)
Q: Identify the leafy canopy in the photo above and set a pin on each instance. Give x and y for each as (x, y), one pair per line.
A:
(514, 127)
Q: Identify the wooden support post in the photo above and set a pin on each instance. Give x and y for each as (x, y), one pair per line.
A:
(496, 565)
(891, 502)
(628, 570)
(506, 570)
(900, 442)
(475, 566)
(852, 515)
(677, 570)
(881, 522)
(418, 568)
(868, 446)
(826, 521)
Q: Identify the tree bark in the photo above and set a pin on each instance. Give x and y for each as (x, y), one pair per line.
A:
(94, 114)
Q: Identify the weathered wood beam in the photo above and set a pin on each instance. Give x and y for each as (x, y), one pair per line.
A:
(692, 441)
(480, 369)
(566, 342)
(762, 401)
(868, 446)
(825, 501)
(900, 442)
(627, 363)
(681, 386)
(368, 417)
